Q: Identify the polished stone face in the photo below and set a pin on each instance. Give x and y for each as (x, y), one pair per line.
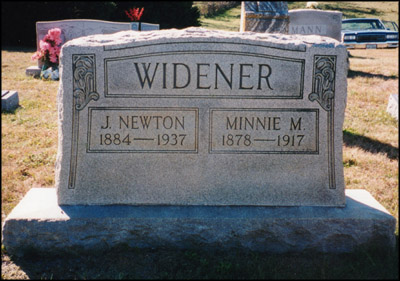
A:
(265, 17)
(316, 22)
(200, 117)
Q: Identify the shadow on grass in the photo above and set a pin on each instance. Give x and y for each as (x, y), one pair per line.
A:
(353, 12)
(11, 112)
(216, 12)
(18, 49)
(358, 57)
(352, 140)
(355, 73)
(200, 264)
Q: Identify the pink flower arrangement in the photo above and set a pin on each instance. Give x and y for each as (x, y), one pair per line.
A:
(50, 48)
(134, 14)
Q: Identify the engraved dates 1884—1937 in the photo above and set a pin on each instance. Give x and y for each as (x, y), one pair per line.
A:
(142, 129)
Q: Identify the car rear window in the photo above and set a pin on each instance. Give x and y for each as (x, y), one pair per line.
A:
(391, 25)
(360, 25)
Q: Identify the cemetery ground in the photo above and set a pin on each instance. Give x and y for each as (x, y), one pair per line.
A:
(29, 147)
(230, 19)
(370, 159)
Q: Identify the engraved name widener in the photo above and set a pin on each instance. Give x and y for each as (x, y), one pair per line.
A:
(215, 75)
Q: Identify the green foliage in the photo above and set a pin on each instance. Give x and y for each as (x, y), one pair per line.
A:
(28, 13)
(228, 20)
(370, 9)
(167, 14)
(213, 8)
(296, 5)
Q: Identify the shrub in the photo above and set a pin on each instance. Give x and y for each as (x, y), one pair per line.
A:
(212, 8)
(18, 18)
(168, 14)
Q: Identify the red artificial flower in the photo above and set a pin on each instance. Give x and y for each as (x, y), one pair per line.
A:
(134, 14)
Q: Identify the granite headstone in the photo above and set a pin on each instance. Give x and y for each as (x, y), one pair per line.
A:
(149, 26)
(393, 106)
(316, 22)
(74, 28)
(71, 29)
(200, 139)
(264, 16)
(9, 100)
(228, 120)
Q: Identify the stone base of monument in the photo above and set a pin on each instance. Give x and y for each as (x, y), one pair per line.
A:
(33, 70)
(38, 222)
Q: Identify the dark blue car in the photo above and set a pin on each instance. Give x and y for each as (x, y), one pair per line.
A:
(369, 33)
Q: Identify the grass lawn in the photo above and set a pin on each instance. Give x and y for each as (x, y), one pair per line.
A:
(385, 10)
(389, 11)
(370, 159)
(229, 20)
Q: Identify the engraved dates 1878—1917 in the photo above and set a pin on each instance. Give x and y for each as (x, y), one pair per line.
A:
(142, 129)
(264, 131)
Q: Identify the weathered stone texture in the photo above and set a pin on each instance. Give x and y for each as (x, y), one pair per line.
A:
(224, 118)
(9, 100)
(38, 222)
(393, 106)
(200, 139)
(264, 16)
(316, 22)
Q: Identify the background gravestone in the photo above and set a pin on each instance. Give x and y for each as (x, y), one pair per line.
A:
(9, 100)
(71, 29)
(317, 22)
(263, 16)
(149, 26)
(393, 106)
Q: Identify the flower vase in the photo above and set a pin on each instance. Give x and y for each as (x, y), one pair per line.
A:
(139, 25)
(45, 72)
(49, 72)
